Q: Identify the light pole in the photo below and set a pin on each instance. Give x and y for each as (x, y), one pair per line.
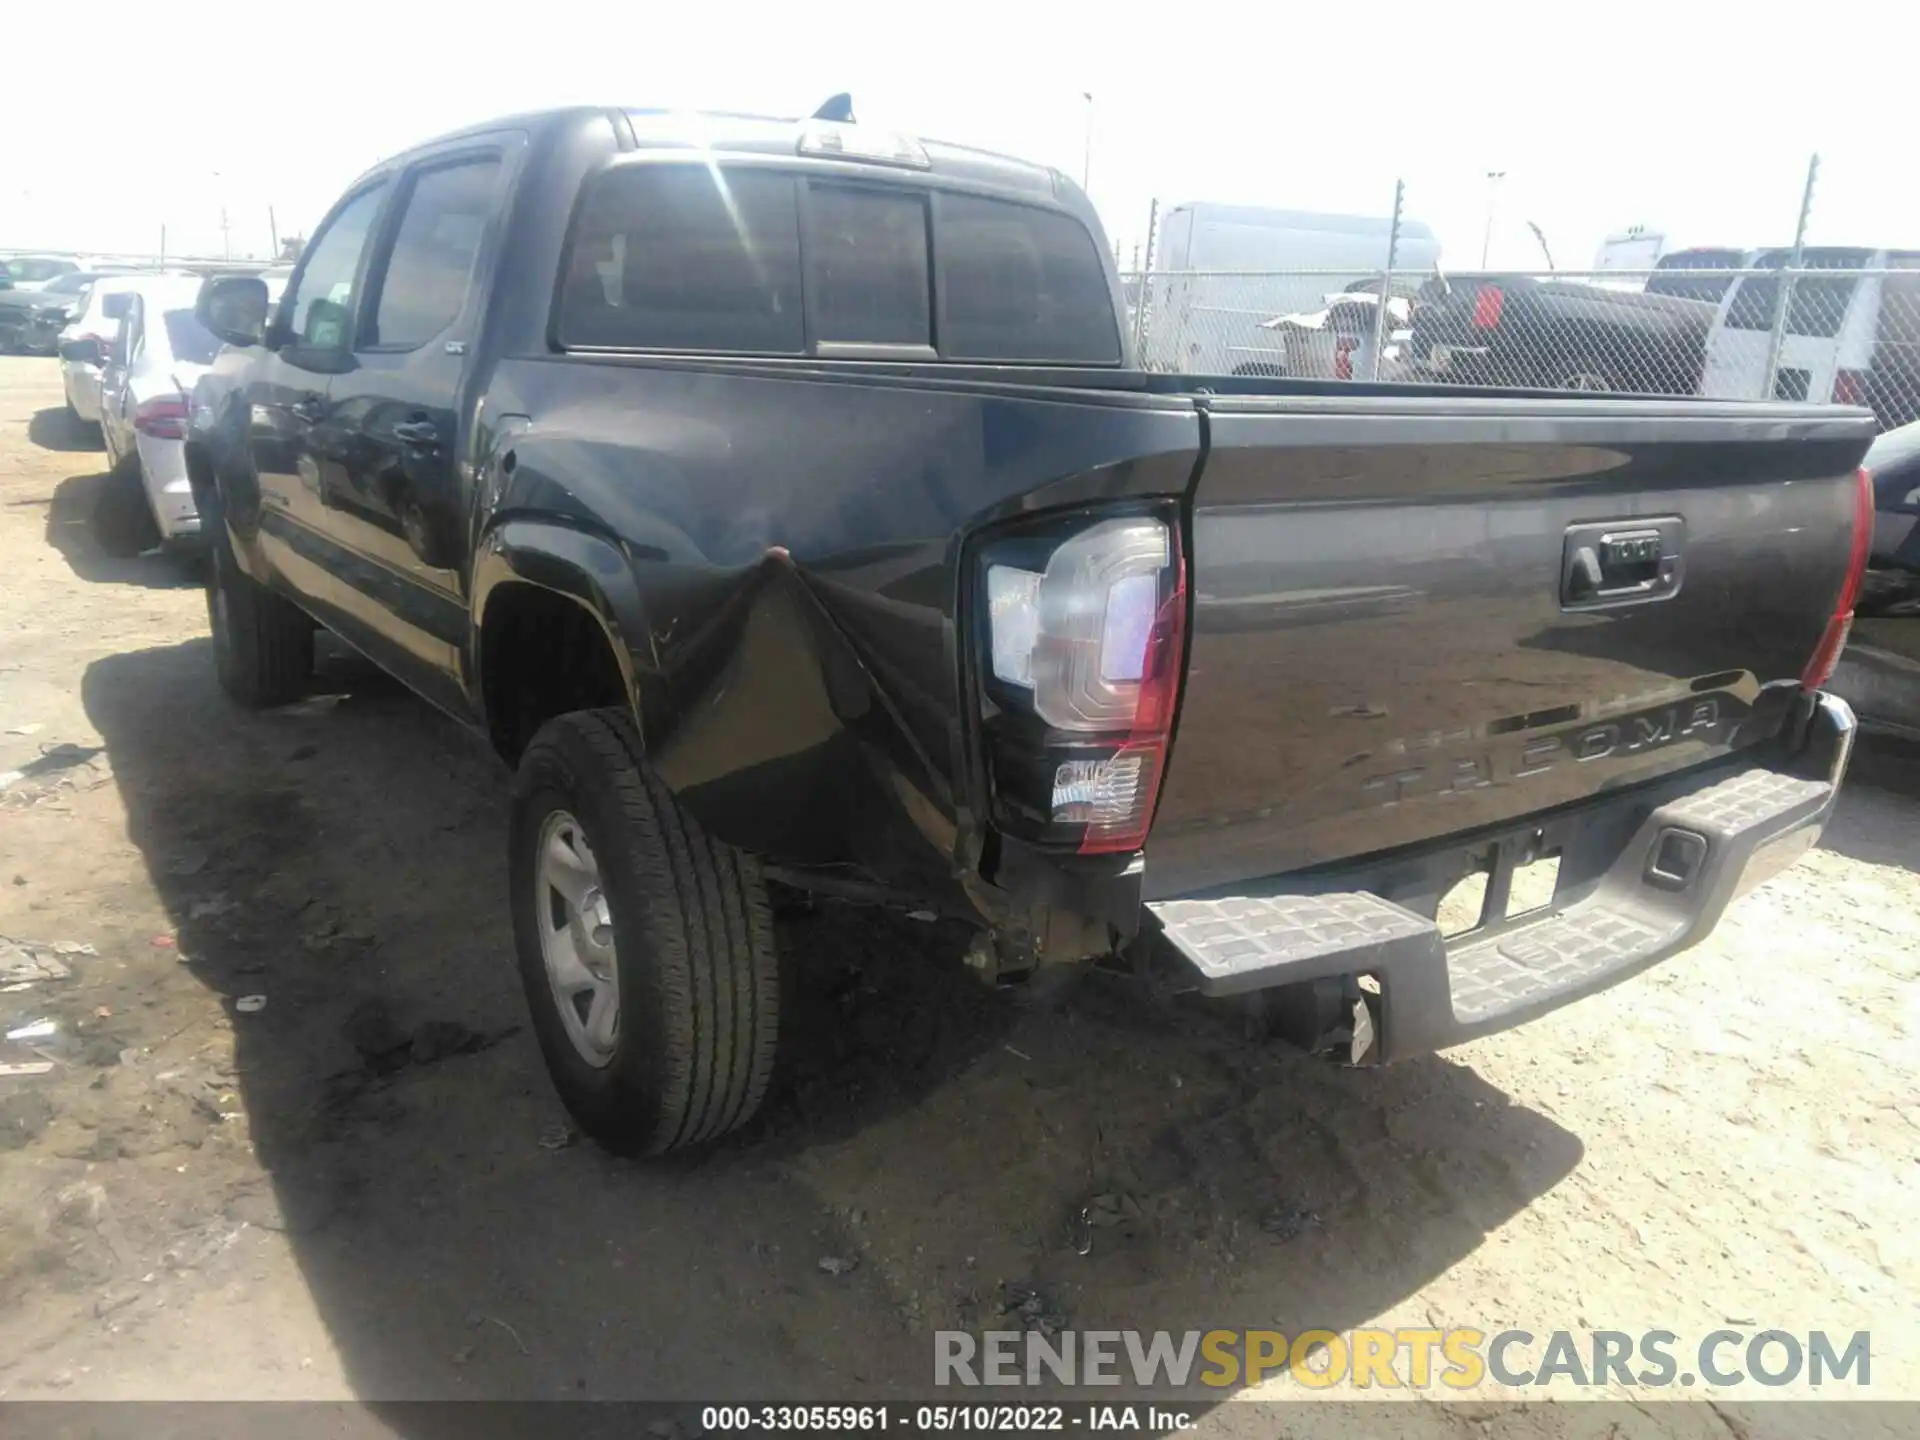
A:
(1494, 177)
(1086, 158)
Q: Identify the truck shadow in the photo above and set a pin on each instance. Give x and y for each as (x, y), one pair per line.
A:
(966, 1162)
(100, 524)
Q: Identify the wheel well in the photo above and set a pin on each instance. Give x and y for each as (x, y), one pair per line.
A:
(542, 654)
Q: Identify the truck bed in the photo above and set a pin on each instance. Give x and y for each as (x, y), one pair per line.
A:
(1381, 650)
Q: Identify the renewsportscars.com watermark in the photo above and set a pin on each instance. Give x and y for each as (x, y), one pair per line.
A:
(1416, 1359)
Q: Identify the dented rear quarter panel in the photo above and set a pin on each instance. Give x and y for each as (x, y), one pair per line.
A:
(795, 541)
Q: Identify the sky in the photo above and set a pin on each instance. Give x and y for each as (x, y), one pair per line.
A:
(1695, 119)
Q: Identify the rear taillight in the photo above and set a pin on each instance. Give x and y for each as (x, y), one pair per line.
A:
(163, 418)
(1850, 387)
(1084, 636)
(1834, 638)
(1487, 305)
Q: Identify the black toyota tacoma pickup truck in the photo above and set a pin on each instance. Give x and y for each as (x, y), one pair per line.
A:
(779, 498)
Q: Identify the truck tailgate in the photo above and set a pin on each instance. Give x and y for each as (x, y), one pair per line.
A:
(1413, 617)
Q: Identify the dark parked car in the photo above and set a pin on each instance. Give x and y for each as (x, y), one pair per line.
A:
(1568, 335)
(1893, 462)
(784, 506)
(31, 320)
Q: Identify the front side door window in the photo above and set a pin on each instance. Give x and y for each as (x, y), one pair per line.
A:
(321, 316)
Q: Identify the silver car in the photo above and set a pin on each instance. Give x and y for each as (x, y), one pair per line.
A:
(155, 356)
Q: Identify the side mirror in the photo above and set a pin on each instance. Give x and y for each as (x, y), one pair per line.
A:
(234, 308)
(86, 351)
(116, 305)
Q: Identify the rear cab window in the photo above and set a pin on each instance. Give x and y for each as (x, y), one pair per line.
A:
(681, 257)
(749, 260)
(1690, 274)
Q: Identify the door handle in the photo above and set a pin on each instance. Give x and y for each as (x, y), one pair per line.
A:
(422, 434)
(1621, 563)
(307, 408)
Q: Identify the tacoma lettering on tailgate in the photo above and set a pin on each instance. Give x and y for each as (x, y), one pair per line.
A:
(1625, 736)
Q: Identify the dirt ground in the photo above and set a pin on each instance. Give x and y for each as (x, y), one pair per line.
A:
(364, 1189)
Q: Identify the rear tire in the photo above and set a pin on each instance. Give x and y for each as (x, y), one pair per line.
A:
(687, 962)
(262, 642)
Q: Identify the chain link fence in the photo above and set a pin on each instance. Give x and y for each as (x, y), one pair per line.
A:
(1843, 327)
(1828, 324)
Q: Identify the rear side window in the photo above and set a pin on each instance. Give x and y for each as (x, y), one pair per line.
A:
(1021, 283)
(1819, 305)
(867, 273)
(686, 257)
(430, 267)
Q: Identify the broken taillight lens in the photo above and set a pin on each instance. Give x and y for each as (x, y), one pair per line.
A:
(1833, 639)
(1085, 631)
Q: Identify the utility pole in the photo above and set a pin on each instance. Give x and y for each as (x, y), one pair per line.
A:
(1494, 177)
(1086, 157)
(273, 232)
(1380, 327)
(226, 243)
(163, 247)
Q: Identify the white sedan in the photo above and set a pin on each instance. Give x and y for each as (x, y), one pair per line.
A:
(157, 353)
(80, 366)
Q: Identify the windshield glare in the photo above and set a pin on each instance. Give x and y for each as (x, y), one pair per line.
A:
(189, 340)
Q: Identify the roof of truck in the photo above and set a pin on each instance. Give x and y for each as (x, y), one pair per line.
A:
(729, 132)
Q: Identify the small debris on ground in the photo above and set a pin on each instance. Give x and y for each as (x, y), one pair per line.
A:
(250, 1004)
(31, 960)
(33, 1030)
(839, 1264)
(1287, 1222)
(1100, 1212)
(1031, 1304)
(557, 1136)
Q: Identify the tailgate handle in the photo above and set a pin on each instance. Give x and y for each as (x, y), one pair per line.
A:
(1620, 564)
